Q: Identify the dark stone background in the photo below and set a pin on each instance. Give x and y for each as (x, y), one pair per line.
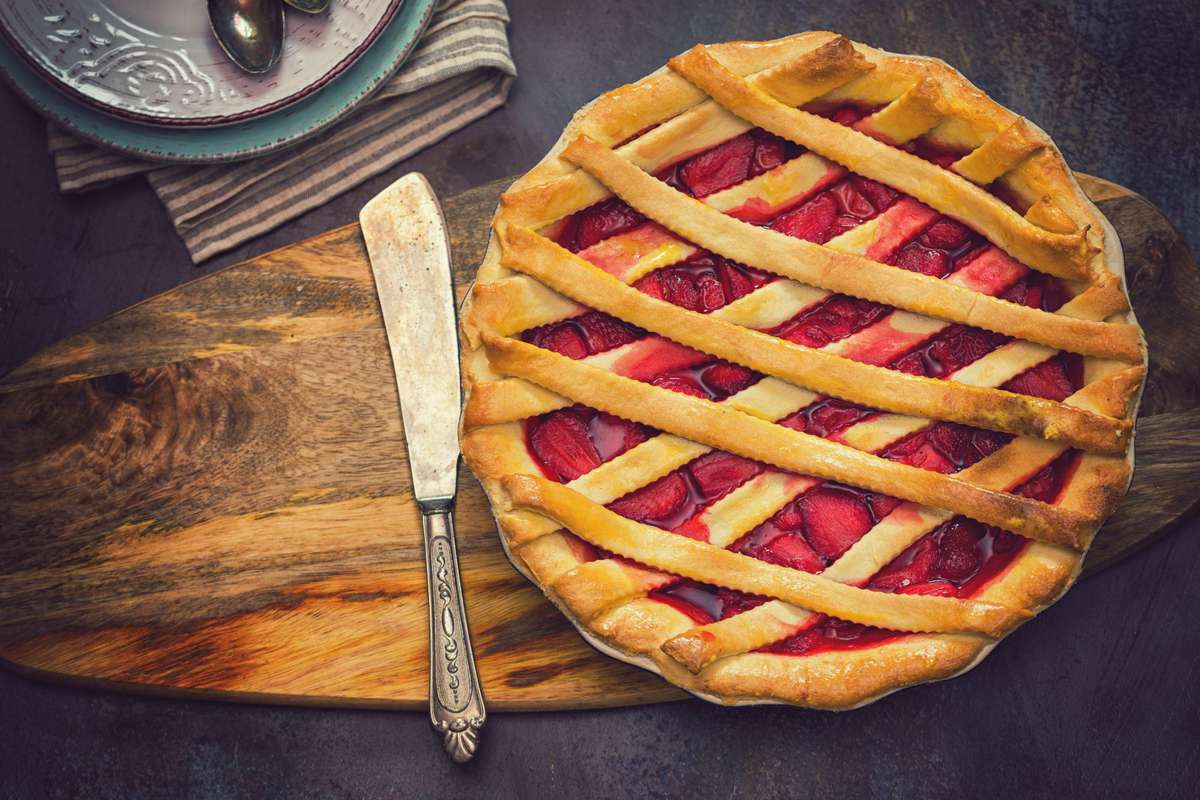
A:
(1098, 695)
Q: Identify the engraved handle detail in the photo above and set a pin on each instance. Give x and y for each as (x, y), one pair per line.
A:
(455, 699)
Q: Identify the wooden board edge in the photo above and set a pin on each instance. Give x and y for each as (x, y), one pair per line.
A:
(666, 694)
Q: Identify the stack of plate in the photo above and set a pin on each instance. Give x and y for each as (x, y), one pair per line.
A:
(150, 80)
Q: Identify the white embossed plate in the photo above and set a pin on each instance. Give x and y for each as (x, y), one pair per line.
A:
(156, 61)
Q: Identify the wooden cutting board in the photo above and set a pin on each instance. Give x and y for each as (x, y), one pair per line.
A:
(207, 494)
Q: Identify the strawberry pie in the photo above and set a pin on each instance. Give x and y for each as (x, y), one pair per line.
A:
(799, 371)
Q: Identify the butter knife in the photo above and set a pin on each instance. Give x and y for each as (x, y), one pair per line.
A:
(410, 257)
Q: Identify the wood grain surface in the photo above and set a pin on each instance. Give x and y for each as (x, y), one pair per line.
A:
(207, 493)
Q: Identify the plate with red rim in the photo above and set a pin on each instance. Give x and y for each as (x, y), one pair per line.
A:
(159, 64)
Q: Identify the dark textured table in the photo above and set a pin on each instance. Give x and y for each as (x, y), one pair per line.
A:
(1098, 695)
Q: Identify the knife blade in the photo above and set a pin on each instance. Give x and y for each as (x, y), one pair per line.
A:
(409, 252)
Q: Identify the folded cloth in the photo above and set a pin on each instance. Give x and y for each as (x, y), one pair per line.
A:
(459, 71)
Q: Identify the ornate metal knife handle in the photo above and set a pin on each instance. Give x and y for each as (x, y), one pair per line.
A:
(455, 699)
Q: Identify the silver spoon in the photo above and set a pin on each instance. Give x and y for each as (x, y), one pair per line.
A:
(249, 31)
(309, 6)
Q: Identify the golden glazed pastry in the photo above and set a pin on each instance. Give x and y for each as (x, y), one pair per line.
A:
(800, 371)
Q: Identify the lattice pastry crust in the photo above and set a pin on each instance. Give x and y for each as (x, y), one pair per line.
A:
(602, 569)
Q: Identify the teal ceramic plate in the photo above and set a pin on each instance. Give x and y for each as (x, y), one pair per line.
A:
(241, 140)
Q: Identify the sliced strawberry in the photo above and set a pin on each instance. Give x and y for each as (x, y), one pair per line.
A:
(881, 197)
(605, 219)
(946, 447)
(801, 643)
(830, 321)
(826, 417)
(964, 445)
(770, 151)
(916, 257)
(712, 293)
(718, 473)
(967, 346)
(1048, 481)
(1048, 379)
(1025, 292)
(602, 332)
(734, 280)
(790, 550)
(881, 505)
(790, 517)
(679, 287)
(953, 441)
(1055, 293)
(567, 233)
(958, 550)
(682, 382)
(936, 153)
(654, 502)
(670, 176)
(914, 565)
(560, 441)
(612, 436)
(951, 350)
(852, 201)
(651, 285)
(846, 115)
(734, 602)
(723, 379)
(834, 519)
(719, 168)
(561, 337)
(811, 221)
(841, 630)
(1004, 542)
(705, 282)
(946, 234)
(918, 450)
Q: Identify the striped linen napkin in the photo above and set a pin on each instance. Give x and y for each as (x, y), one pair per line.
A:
(460, 71)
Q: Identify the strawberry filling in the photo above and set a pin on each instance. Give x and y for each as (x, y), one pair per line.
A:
(943, 248)
(935, 152)
(582, 336)
(946, 447)
(827, 417)
(679, 496)
(704, 282)
(1038, 290)
(596, 223)
(831, 320)
(816, 528)
(1055, 379)
(843, 114)
(573, 441)
(953, 348)
(958, 559)
(730, 163)
(713, 380)
(846, 205)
